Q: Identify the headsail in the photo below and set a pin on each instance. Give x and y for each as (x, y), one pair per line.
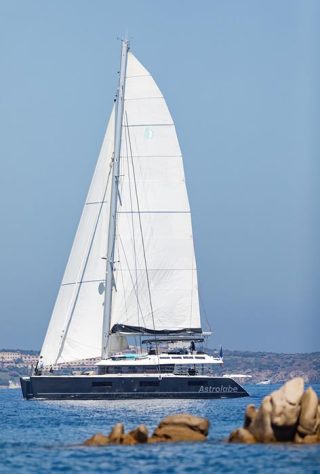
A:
(75, 327)
(155, 268)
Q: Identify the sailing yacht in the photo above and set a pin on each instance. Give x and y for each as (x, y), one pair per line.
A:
(131, 273)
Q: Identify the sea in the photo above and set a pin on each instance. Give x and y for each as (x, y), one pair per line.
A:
(47, 436)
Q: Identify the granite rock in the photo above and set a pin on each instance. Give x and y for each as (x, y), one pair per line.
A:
(249, 416)
(308, 419)
(195, 423)
(116, 433)
(242, 435)
(176, 433)
(286, 403)
(261, 427)
(140, 434)
(182, 427)
(98, 439)
(287, 414)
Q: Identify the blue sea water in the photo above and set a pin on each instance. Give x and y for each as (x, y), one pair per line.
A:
(46, 437)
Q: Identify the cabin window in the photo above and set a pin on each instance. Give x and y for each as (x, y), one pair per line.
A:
(134, 369)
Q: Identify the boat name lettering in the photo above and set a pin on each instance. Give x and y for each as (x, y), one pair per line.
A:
(221, 389)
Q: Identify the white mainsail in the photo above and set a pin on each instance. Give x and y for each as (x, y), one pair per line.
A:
(156, 277)
(155, 270)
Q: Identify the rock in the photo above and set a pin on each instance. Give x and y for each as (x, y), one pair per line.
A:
(182, 427)
(293, 390)
(307, 423)
(318, 420)
(242, 435)
(286, 403)
(195, 423)
(140, 434)
(297, 438)
(287, 414)
(127, 439)
(98, 439)
(261, 427)
(116, 433)
(250, 414)
(311, 439)
(176, 433)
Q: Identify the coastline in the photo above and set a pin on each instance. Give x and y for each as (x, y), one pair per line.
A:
(256, 367)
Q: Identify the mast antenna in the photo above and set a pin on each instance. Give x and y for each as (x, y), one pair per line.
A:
(109, 281)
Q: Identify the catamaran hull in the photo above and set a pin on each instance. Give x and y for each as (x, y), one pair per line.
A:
(127, 388)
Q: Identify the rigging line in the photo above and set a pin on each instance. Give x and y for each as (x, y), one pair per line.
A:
(192, 283)
(86, 259)
(124, 290)
(204, 309)
(132, 281)
(133, 231)
(123, 286)
(142, 239)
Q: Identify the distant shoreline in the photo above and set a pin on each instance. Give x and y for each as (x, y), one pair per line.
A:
(257, 367)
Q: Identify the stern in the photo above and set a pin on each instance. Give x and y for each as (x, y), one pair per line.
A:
(26, 387)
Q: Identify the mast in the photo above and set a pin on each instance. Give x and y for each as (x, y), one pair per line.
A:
(109, 282)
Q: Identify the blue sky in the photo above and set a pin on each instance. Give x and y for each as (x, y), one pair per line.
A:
(241, 79)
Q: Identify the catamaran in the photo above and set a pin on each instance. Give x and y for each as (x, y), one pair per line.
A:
(131, 273)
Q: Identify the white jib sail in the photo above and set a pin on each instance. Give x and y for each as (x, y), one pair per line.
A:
(156, 277)
(75, 328)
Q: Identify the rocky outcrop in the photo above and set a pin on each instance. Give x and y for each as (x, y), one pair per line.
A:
(287, 414)
(140, 434)
(181, 427)
(261, 427)
(309, 418)
(98, 439)
(242, 435)
(116, 434)
(250, 414)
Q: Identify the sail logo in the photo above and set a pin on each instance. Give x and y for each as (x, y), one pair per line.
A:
(221, 389)
(148, 133)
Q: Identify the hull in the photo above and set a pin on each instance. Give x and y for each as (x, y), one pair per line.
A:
(90, 387)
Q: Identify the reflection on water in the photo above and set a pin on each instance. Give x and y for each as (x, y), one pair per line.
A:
(45, 437)
(137, 406)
